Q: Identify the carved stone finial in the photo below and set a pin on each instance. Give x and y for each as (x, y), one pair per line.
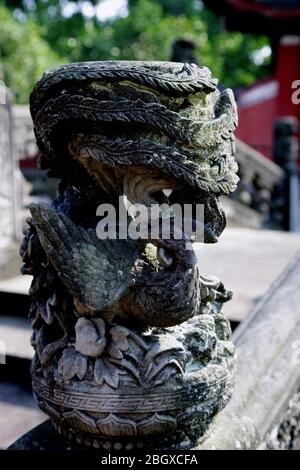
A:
(131, 346)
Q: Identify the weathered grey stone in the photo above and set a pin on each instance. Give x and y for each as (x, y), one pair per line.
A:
(268, 372)
(131, 345)
(256, 203)
(286, 435)
(9, 188)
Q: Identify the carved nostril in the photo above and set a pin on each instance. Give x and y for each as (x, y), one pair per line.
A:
(164, 257)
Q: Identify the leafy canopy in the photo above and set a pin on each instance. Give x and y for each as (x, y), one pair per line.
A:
(37, 35)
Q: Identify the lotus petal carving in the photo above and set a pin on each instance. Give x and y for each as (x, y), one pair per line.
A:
(156, 424)
(113, 425)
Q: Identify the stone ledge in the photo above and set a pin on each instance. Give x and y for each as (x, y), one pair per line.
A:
(267, 376)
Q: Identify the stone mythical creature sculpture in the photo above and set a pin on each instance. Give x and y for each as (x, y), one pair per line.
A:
(131, 346)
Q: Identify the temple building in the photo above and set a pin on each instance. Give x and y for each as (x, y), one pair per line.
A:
(270, 98)
(269, 110)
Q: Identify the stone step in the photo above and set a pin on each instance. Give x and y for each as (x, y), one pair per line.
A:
(15, 330)
(16, 285)
(18, 412)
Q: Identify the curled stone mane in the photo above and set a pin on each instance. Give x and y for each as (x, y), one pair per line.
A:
(166, 116)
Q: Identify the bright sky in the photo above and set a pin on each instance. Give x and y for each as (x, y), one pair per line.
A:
(111, 8)
(260, 55)
(105, 10)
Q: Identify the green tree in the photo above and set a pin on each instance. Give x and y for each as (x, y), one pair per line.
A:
(147, 33)
(228, 54)
(38, 34)
(24, 55)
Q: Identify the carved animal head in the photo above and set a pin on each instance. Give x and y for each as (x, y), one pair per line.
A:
(137, 129)
(154, 132)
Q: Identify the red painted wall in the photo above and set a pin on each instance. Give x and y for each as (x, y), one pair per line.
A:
(256, 117)
(288, 71)
(261, 104)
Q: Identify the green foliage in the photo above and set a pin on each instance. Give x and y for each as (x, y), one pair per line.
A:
(24, 55)
(148, 32)
(42, 37)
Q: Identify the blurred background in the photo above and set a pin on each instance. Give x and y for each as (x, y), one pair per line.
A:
(251, 46)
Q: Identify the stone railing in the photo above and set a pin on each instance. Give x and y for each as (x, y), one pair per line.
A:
(254, 165)
(253, 205)
(25, 146)
(10, 185)
(250, 206)
(268, 374)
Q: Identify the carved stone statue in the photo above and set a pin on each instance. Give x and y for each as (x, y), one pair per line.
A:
(131, 345)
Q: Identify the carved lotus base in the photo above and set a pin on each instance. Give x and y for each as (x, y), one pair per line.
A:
(162, 393)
